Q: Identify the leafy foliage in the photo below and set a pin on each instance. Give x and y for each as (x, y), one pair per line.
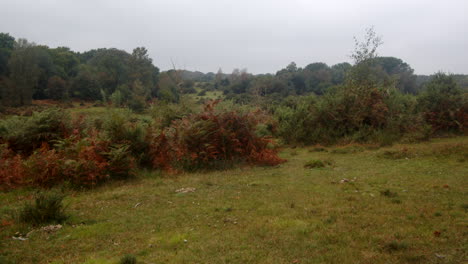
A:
(12, 170)
(25, 134)
(209, 138)
(443, 104)
(128, 259)
(82, 159)
(47, 208)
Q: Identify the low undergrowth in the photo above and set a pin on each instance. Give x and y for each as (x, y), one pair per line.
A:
(319, 163)
(47, 208)
(441, 150)
(86, 152)
(211, 139)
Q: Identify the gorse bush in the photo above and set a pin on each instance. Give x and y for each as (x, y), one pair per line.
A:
(209, 138)
(47, 208)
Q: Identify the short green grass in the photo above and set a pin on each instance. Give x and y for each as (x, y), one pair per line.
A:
(367, 208)
(209, 95)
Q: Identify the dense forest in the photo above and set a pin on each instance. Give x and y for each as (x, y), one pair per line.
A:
(34, 72)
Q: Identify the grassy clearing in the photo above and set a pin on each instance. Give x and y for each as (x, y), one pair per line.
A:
(209, 95)
(371, 206)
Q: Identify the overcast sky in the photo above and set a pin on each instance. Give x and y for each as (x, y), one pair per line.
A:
(260, 35)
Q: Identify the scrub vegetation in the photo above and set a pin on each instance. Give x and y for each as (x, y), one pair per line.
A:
(105, 159)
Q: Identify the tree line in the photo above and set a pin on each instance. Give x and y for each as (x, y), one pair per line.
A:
(29, 71)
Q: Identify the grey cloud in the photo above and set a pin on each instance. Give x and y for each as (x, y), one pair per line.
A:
(260, 35)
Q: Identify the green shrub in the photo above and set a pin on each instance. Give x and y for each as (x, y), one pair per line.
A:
(117, 98)
(128, 259)
(296, 120)
(121, 162)
(403, 153)
(348, 149)
(396, 246)
(388, 193)
(25, 134)
(165, 113)
(355, 112)
(443, 105)
(318, 149)
(121, 129)
(47, 208)
(137, 104)
(318, 164)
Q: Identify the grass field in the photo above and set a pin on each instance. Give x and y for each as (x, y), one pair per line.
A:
(401, 204)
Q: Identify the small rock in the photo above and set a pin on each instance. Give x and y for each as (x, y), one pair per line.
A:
(439, 255)
(19, 238)
(51, 228)
(344, 180)
(185, 190)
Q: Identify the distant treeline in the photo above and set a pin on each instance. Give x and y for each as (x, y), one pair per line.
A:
(29, 71)
(315, 78)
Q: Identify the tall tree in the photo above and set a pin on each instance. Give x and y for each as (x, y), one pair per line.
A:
(56, 88)
(388, 68)
(24, 74)
(7, 44)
